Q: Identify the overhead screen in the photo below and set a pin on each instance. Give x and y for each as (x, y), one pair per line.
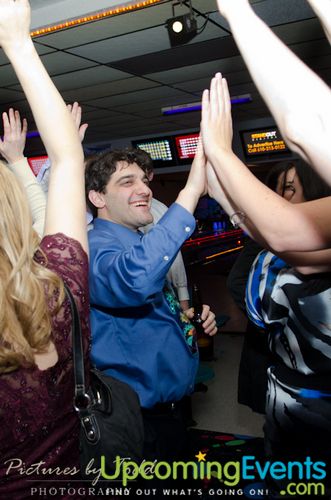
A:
(263, 143)
(160, 149)
(186, 146)
(170, 151)
(36, 163)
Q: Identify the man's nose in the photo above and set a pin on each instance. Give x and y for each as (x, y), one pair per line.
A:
(143, 188)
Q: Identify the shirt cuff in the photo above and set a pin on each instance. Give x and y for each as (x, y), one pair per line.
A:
(19, 167)
(182, 293)
(185, 222)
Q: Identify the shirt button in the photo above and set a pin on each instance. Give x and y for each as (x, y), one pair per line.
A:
(187, 229)
(166, 258)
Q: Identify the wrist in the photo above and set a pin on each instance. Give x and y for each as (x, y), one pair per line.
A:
(14, 161)
(188, 198)
(192, 193)
(219, 155)
(15, 49)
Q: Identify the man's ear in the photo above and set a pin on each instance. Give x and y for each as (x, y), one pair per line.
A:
(96, 199)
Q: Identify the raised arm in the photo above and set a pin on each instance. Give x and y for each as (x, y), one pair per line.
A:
(12, 149)
(66, 202)
(279, 223)
(76, 115)
(298, 99)
(196, 184)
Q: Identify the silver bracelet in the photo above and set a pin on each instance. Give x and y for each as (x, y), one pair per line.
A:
(237, 218)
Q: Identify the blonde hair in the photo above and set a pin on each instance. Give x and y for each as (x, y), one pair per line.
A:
(26, 287)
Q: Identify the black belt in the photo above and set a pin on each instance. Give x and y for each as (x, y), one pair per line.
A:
(161, 408)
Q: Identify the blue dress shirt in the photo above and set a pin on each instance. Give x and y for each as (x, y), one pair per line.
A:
(135, 337)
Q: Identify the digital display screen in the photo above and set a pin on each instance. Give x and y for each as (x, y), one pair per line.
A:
(158, 149)
(263, 142)
(186, 145)
(36, 163)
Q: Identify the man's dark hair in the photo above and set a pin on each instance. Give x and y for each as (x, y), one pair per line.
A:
(99, 168)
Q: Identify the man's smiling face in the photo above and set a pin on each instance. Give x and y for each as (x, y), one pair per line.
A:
(128, 197)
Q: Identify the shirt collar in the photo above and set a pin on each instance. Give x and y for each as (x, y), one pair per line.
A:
(118, 230)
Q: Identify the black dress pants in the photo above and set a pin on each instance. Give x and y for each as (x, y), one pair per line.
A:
(166, 436)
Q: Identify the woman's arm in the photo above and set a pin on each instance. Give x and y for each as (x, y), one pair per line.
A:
(298, 99)
(66, 201)
(281, 225)
(309, 262)
(34, 192)
(12, 149)
(305, 262)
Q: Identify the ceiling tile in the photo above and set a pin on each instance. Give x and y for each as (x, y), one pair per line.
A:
(88, 77)
(176, 98)
(109, 88)
(300, 31)
(139, 97)
(60, 62)
(311, 49)
(9, 97)
(7, 76)
(128, 45)
(40, 49)
(196, 71)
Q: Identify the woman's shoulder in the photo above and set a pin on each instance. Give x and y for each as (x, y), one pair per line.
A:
(66, 257)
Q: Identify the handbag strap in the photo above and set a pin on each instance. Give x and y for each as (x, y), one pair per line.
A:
(81, 400)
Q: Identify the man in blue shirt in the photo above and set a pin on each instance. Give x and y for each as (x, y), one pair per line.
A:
(139, 334)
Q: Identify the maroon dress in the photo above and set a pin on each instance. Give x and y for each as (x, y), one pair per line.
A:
(38, 426)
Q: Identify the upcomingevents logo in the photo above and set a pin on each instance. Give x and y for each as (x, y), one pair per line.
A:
(299, 477)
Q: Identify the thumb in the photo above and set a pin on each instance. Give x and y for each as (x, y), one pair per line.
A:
(82, 130)
(189, 312)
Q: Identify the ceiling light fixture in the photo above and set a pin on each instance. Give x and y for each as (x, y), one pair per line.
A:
(96, 16)
(181, 29)
(196, 106)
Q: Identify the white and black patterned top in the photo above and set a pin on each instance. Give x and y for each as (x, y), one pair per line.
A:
(296, 314)
(295, 309)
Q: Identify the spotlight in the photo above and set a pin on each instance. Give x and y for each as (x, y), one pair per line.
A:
(182, 29)
(177, 26)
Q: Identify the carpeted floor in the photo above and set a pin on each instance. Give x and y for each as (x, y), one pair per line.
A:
(227, 452)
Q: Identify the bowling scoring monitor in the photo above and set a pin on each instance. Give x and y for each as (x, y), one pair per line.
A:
(160, 149)
(263, 142)
(186, 145)
(36, 163)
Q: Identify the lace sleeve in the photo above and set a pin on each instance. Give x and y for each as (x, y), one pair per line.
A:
(66, 257)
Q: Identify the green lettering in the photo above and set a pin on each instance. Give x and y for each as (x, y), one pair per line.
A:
(103, 468)
(234, 478)
(142, 471)
(135, 472)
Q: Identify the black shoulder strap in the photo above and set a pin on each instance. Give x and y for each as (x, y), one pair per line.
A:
(82, 399)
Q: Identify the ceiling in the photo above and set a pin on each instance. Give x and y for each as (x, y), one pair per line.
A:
(123, 70)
